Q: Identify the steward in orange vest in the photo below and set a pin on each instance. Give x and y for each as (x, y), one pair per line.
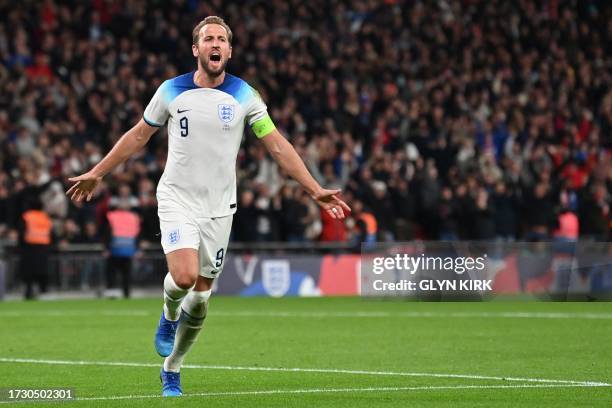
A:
(38, 227)
(35, 244)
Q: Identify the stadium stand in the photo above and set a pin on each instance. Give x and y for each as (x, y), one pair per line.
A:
(438, 119)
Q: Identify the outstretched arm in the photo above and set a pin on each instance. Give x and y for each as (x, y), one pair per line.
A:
(287, 158)
(131, 142)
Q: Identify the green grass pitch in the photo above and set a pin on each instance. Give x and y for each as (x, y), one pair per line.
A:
(312, 352)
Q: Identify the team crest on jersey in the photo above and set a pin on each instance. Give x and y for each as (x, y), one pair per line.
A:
(226, 112)
(174, 237)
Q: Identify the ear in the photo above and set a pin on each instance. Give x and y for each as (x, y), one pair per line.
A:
(195, 51)
(230, 53)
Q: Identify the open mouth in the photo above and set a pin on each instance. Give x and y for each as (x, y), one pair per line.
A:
(216, 57)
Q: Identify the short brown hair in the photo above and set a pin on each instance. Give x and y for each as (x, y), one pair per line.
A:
(211, 20)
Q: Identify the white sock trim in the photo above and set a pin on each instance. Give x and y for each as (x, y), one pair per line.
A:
(200, 296)
(172, 289)
(195, 303)
(173, 297)
(169, 368)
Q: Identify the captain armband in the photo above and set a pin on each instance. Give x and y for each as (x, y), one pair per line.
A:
(263, 126)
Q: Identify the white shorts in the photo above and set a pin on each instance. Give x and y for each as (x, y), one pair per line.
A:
(209, 236)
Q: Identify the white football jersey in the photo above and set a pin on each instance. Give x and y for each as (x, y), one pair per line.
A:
(205, 128)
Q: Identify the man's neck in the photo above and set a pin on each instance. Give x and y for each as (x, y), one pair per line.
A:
(202, 79)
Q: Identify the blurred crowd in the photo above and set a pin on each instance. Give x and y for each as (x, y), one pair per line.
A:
(437, 119)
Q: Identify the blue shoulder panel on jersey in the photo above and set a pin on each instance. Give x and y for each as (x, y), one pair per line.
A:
(176, 86)
(236, 87)
(231, 85)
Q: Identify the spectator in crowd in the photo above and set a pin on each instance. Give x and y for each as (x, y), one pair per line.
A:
(147, 208)
(567, 221)
(483, 216)
(446, 216)
(68, 232)
(364, 224)
(539, 213)
(294, 215)
(332, 229)
(266, 223)
(92, 267)
(404, 205)
(245, 227)
(505, 203)
(122, 231)
(595, 213)
(383, 210)
(124, 199)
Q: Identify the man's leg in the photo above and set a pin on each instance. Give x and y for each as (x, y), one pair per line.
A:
(126, 276)
(183, 265)
(111, 274)
(27, 272)
(214, 237)
(194, 308)
(42, 268)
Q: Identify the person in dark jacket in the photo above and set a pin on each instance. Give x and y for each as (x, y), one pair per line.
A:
(504, 201)
(245, 225)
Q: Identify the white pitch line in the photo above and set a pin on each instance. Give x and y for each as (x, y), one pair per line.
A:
(529, 315)
(318, 391)
(305, 370)
(68, 313)
(364, 314)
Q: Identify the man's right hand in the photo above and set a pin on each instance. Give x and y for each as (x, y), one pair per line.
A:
(132, 141)
(84, 186)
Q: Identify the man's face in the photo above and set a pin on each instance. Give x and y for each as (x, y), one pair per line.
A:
(213, 49)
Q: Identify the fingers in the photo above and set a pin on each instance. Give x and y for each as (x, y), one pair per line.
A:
(75, 194)
(332, 213)
(336, 212)
(74, 186)
(78, 194)
(327, 195)
(340, 213)
(342, 204)
(83, 189)
(78, 178)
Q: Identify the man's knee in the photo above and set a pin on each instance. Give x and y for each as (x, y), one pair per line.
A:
(183, 267)
(184, 277)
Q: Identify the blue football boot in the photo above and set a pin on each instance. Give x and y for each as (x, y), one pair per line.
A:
(164, 337)
(171, 383)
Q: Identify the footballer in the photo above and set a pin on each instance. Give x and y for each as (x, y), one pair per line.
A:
(205, 111)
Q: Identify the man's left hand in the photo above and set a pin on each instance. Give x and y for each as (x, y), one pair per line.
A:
(330, 202)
